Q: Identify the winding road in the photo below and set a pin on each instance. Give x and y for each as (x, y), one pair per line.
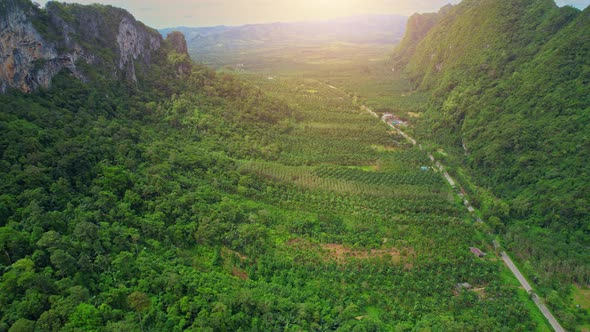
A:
(525, 284)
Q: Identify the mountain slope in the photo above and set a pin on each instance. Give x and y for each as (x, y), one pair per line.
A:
(416, 29)
(190, 200)
(363, 29)
(36, 44)
(511, 101)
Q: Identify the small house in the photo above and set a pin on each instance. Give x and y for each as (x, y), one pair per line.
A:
(387, 116)
(477, 252)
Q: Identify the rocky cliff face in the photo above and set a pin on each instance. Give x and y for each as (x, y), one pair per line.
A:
(36, 44)
(134, 43)
(177, 43)
(23, 50)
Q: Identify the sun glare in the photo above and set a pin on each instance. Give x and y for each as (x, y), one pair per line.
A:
(321, 9)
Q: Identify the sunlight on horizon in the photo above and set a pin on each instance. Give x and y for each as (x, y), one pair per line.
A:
(195, 13)
(323, 9)
(175, 13)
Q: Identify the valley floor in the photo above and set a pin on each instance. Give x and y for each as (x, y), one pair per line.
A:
(379, 175)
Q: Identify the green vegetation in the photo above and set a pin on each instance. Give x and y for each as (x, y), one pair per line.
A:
(263, 197)
(205, 203)
(510, 105)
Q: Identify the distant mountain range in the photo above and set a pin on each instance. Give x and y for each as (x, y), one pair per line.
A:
(366, 29)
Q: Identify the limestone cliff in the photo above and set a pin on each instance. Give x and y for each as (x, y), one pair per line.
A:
(36, 43)
(177, 44)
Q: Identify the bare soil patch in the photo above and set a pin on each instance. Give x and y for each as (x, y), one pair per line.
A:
(236, 272)
(340, 253)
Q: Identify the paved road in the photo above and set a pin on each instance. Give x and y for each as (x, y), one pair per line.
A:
(406, 136)
(525, 284)
(554, 323)
(447, 176)
(441, 168)
(449, 179)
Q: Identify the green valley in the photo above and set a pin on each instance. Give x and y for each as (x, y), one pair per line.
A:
(143, 191)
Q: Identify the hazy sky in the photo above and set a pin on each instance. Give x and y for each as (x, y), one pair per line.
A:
(173, 13)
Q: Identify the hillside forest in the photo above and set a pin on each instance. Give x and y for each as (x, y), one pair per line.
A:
(265, 197)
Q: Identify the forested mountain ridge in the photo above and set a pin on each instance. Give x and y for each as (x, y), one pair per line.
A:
(510, 84)
(416, 29)
(36, 44)
(195, 201)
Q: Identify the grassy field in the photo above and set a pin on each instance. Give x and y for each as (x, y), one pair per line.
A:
(581, 302)
(581, 297)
